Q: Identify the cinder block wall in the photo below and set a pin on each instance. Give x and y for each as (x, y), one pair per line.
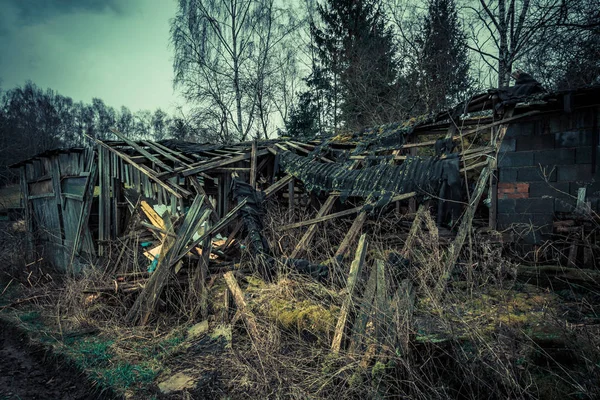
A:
(542, 164)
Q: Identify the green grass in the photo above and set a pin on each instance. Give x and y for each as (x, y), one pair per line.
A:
(125, 375)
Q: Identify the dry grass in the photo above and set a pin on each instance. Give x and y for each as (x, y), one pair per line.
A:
(475, 331)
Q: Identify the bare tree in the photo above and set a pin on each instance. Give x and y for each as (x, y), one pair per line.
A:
(503, 31)
(223, 51)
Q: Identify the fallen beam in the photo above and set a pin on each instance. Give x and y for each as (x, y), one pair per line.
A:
(238, 298)
(355, 269)
(340, 214)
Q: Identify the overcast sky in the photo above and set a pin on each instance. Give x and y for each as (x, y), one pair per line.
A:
(116, 50)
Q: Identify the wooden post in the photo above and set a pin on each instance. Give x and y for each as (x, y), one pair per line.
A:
(238, 297)
(355, 269)
(354, 229)
(103, 200)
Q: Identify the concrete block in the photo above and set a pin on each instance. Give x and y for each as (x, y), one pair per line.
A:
(537, 173)
(508, 145)
(549, 189)
(565, 204)
(535, 205)
(563, 156)
(541, 142)
(507, 174)
(572, 138)
(506, 205)
(515, 159)
(583, 155)
(576, 172)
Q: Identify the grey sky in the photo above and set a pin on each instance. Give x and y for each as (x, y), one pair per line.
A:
(116, 50)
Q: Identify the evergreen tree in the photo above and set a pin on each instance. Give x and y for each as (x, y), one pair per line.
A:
(443, 69)
(357, 52)
(304, 117)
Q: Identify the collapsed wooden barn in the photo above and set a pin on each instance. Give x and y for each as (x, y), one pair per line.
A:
(182, 203)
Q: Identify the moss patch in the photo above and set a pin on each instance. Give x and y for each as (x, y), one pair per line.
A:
(303, 315)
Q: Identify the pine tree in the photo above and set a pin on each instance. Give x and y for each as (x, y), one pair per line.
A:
(357, 52)
(443, 75)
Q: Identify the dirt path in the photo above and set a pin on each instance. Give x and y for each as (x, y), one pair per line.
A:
(23, 376)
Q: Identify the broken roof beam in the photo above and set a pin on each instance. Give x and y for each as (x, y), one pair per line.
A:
(351, 234)
(207, 166)
(340, 213)
(173, 152)
(474, 130)
(142, 151)
(280, 184)
(310, 232)
(173, 190)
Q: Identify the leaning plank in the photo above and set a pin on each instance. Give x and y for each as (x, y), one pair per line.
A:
(152, 215)
(351, 234)
(238, 297)
(226, 220)
(466, 222)
(366, 305)
(213, 213)
(171, 254)
(403, 306)
(382, 323)
(207, 166)
(412, 233)
(280, 184)
(86, 208)
(142, 151)
(355, 269)
(340, 213)
(310, 232)
(128, 160)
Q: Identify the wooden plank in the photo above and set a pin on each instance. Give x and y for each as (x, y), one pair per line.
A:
(280, 184)
(382, 321)
(147, 174)
(28, 213)
(465, 224)
(103, 200)
(216, 228)
(200, 190)
(340, 213)
(253, 166)
(351, 234)
(412, 233)
(310, 232)
(86, 208)
(355, 269)
(152, 215)
(403, 305)
(175, 153)
(366, 305)
(238, 298)
(475, 130)
(164, 153)
(207, 166)
(142, 151)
